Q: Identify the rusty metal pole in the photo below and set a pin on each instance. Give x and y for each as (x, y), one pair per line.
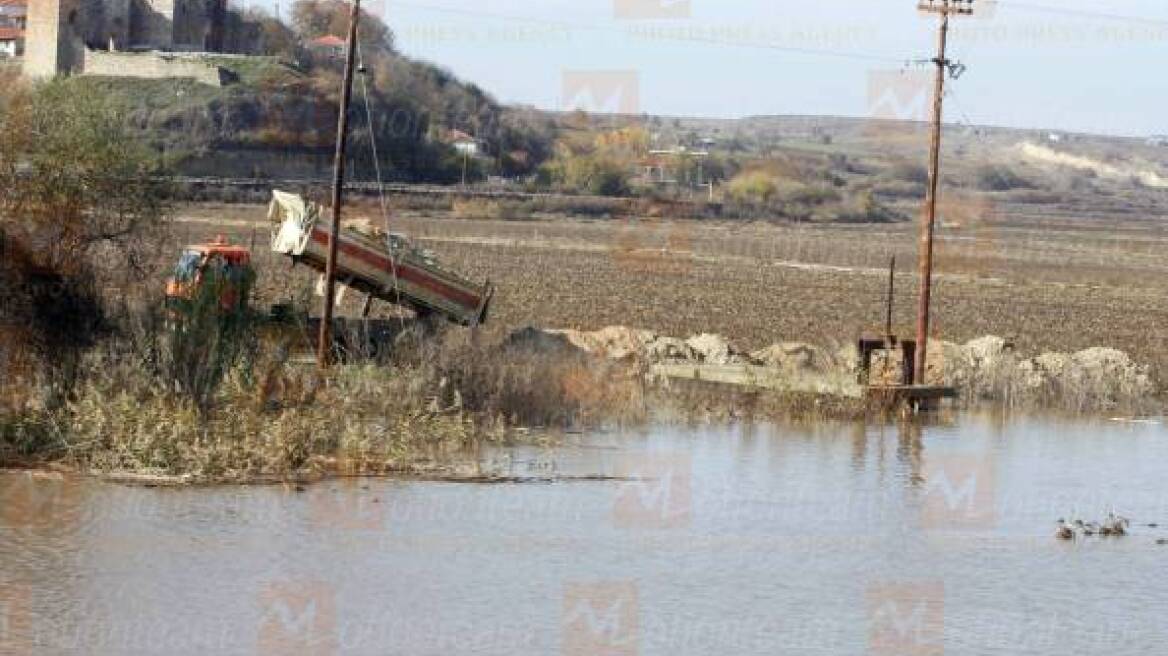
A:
(891, 300)
(324, 345)
(930, 217)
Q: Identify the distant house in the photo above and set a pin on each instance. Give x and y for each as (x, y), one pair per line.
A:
(329, 46)
(464, 143)
(11, 42)
(1160, 141)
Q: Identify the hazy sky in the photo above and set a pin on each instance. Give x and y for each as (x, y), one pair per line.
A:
(1073, 65)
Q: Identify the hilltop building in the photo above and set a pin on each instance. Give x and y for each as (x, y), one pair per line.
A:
(328, 46)
(464, 143)
(75, 36)
(11, 42)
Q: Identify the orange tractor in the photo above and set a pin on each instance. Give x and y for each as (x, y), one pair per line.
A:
(225, 264)
(386, 267)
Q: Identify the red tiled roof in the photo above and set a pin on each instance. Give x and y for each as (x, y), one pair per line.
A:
(11, 33)
(13, 3)
(329, 41)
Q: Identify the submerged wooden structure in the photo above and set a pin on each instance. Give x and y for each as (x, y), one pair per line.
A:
(900, 389)
(903, 389)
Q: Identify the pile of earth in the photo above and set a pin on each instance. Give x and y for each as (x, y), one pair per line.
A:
(647, 347)
(983, 369)
(989, 369)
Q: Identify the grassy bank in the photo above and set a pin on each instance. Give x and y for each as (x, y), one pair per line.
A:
(142, 403)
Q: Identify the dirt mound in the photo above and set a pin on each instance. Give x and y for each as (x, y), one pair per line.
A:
(976, 367)
(624, 343)
(714, 349)
(669, 349)
(986, 369)
(794, 356)
(614, 342)
(1094, 377)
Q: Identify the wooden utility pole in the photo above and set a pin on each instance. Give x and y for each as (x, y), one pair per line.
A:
(944, 8)
(324, 346)
(891, 300)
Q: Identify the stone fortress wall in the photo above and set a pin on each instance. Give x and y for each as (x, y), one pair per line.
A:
(62, 34)
(154, 66)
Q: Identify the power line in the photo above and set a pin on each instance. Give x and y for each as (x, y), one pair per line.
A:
(363, 76)
(1082, 13)
(667, 35)
(681, 37)
(951, 93)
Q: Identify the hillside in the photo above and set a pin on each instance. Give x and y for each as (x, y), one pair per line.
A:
(278, 116)
(985, 170)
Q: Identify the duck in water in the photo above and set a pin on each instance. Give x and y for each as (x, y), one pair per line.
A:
(1065, 531)
(1114, 526)
(1088, 528)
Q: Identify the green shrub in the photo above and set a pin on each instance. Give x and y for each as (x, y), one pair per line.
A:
(995, 177)
(908, 172)
(757, 187)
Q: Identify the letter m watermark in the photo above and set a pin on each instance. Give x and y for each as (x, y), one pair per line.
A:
(600, 619)
(298, 618)
(656, 493)
(602, 92)
(906, 619)
(959, 492)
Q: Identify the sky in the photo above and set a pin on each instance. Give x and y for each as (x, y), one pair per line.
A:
(1067, 65)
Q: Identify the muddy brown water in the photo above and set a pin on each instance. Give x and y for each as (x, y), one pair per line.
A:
(837, 540)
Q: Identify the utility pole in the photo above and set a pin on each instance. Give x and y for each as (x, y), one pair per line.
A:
(891, 300)
(324, 345)
(944, 8)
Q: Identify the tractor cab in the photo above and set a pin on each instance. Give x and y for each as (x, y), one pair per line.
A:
(220, 264)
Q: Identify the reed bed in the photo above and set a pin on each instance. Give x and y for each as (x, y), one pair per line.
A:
(145, 401)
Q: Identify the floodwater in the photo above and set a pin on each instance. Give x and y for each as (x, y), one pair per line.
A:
(731, 540)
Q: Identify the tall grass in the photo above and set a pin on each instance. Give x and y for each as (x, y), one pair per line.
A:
(208, 336)
(201, 397)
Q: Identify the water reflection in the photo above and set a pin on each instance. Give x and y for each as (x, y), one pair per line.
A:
(729, 540)
(910, 448)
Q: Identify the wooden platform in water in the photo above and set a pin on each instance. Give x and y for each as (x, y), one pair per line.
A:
(911, 392)
(769, 378)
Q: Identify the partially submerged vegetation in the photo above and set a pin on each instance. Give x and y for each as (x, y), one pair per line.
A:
(127, 407)
(987, 370)
(126, 411)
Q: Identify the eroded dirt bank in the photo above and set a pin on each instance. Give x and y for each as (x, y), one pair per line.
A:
(985, 370)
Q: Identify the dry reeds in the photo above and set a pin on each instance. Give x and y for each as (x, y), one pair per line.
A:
(202, 399)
